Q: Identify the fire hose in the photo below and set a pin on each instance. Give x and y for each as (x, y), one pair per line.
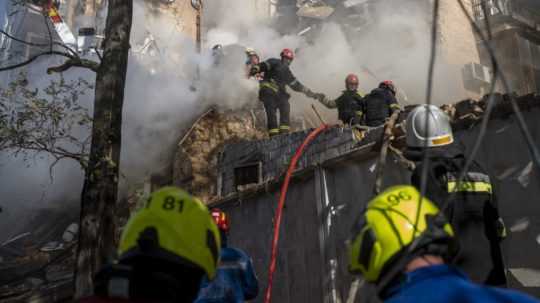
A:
(277, 218)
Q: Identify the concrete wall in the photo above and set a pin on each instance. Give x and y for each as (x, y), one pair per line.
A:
(458, 46)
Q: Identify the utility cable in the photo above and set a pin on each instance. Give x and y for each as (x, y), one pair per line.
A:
(429, 92)
(533, 149)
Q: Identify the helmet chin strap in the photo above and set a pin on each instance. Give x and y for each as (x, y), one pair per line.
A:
(427, 243)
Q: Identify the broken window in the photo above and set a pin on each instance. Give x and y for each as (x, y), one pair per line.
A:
(248, 174)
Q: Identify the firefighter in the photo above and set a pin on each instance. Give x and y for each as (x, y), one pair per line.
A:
(273, 94)
(165, 250)
(349, 104)
(403, 245)
(235, 280)
(473, 209)
(252, 60)
(379, 104)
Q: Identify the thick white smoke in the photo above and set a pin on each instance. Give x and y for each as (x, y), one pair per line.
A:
(393, 45)
(169, 84)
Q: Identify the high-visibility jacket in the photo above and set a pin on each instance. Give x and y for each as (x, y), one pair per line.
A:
(473, 212)
(349, 106)
(278, 75)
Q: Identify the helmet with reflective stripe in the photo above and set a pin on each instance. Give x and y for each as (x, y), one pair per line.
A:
(221, 219)
(388, 84)
(287, 54)
(436, 132)
(396, 226)
(173, 227)
(351, 82)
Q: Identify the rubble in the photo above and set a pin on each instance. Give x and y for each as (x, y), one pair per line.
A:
(195, 161)
(524, 175)
(70, 233)
(36, 262)
(520, 225)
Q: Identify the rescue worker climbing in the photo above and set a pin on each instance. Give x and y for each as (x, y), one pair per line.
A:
(403, 245)
(349, 104)
(235, 280)
(273, 93)
(379, 104)
(473, 209)
(165, 249)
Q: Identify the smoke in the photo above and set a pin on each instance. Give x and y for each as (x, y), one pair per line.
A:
(393, 44)
(30, 183)
(169, 84)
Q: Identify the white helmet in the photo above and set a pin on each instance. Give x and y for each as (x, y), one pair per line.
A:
(250, 51)
(438, 131)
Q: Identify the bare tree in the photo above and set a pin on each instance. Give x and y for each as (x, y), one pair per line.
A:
(99, 195)
(34, 120)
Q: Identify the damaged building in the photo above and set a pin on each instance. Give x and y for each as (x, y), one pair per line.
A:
(225, 158)
(333, 182)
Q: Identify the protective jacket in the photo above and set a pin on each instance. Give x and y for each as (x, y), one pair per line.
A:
(349, 106)
(443, 283)
(235, 281)
(276, 76)
(472, 211)
(378, 105)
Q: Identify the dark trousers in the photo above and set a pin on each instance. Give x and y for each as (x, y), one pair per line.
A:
(272, 103)
(480, 254)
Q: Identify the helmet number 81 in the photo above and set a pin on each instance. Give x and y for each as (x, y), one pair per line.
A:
(170, 203)
(394, 199)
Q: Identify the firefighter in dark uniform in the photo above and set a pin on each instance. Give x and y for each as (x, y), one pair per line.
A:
(379, 104)
(273, 93)
(473, 210)
(349, 104)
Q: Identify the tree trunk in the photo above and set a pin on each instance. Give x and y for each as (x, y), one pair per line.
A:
(99, 195)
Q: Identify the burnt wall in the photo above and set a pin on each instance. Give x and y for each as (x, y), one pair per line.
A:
(335, 180)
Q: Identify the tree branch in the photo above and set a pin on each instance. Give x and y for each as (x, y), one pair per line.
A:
(74, 62)
(32, 59)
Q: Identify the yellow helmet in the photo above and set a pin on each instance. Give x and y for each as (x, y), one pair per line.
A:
(395, 225)
(179, 226)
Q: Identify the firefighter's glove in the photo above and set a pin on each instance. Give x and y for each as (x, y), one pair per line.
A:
(255, 69)
(310, 94)
(320, 97)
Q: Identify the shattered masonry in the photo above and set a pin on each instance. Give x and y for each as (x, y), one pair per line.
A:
(195, 163)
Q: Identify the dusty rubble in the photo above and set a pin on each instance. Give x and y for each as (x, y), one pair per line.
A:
(195, 162)
(38, 265)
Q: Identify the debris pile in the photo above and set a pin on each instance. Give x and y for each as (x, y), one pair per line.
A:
(38, 264)
(195, 161)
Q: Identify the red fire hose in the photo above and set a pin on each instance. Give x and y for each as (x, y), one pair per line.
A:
(282, 196)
